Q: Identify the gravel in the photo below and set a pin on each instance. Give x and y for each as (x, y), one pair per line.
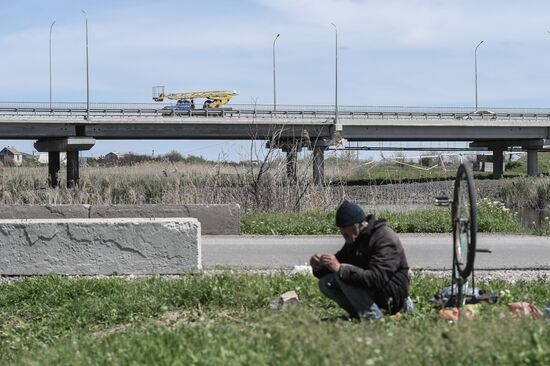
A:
(506, 275)
(417, 193)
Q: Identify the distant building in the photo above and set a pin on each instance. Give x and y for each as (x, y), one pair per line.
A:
(113, 157)
(11, 157)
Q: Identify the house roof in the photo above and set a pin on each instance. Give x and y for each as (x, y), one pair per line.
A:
(12, 150)
(118, 155)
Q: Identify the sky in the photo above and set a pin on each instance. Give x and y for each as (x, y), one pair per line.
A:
(391, 53)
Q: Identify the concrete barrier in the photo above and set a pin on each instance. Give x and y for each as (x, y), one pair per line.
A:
(100, 246)
(214, 219)
(24, 212)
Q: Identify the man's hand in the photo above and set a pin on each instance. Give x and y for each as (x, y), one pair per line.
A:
(329, 261)
(315, 262)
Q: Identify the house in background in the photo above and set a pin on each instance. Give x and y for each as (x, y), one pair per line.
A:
(113, 157)
(9, 156)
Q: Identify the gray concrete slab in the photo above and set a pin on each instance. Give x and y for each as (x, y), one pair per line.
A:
(424, 251)
(44, 211)
(214, 219)
(100, 246)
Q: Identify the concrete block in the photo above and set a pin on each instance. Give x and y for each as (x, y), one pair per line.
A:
(285, 300)
(214, 219)
(24, 212)
(100, 246)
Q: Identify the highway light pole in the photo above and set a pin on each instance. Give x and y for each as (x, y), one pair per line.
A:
(87, 72)
(51, 27)
(475, 61)
(336, 77)
(274, 89)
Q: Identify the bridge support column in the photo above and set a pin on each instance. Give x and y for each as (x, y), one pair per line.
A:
(532, 160)
(72, 145)
(291, 163)
(319, 165)
(73, 176)
(53, 168)
(319, 147)
(498, 147)
(498, 163)
(291, 147)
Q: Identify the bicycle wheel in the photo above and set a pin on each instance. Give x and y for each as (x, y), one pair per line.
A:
(464, 218)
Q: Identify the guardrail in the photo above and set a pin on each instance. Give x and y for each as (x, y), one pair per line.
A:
(280, 107)
(251, 111)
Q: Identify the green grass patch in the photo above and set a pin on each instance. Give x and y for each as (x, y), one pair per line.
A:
(519, 166)
(225, 320)
(492, 217)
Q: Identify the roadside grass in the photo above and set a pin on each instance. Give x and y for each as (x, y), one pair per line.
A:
(492, 217)
(224, 319)
(520, 166)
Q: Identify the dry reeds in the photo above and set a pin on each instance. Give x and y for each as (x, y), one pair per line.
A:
(261, 185)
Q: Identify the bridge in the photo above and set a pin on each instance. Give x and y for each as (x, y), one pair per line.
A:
(66, 127)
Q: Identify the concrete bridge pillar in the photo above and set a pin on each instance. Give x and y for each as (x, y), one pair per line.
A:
(72, 145)
(54, 165)
(73, 173)
(292, 147)
(319, 165)
(319, 147)
(532, 160)
(498, 163)
(291, 150)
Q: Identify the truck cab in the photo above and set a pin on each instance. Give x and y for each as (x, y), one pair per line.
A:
(182, 105)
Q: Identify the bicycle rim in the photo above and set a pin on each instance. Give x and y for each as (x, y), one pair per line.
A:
(464, 218)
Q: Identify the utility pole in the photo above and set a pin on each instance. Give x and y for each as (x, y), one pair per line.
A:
(336, 77)
(87, 73)
(51, 27)
(274, 80)
(475, 61)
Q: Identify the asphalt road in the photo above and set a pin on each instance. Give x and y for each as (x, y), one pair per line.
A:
(424, 251)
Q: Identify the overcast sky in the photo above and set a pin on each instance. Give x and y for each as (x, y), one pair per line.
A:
(408, 52)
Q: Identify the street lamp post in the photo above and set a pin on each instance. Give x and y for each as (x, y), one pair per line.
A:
(274, 81)
(475, 61)
(336, 77)
(87, 72)
(51, 27)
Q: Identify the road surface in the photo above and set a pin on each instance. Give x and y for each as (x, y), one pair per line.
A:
(424, 251)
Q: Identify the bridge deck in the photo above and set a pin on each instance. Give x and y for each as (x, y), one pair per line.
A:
(250, 127)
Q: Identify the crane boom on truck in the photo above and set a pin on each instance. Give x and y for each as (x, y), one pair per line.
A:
(214, 98)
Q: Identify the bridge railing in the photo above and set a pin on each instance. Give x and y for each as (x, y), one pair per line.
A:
(267, 111)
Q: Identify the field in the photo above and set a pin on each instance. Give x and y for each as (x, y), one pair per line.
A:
(262, 187)
(225, 318)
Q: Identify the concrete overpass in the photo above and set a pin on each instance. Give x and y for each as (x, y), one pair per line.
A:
(290, 129)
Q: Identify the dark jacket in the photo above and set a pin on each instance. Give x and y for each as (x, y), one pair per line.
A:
(377, 262)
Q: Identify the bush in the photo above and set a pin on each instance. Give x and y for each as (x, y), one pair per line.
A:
(513, 164)
(492, 217)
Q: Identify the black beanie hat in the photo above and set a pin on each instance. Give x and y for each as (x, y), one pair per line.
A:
(349, 214)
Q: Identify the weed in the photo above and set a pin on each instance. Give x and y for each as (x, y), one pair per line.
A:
(225, 319)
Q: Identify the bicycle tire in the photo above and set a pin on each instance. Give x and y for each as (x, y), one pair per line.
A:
(464, 269)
